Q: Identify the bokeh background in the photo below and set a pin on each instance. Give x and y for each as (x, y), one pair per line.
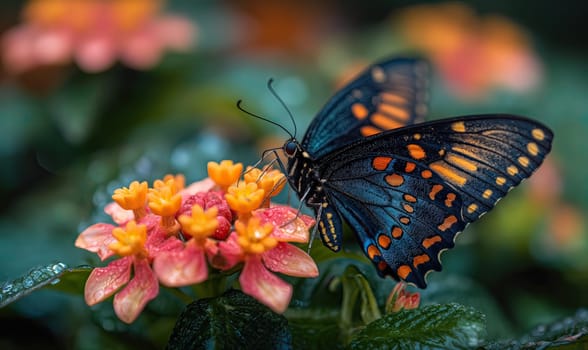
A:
(106, 92)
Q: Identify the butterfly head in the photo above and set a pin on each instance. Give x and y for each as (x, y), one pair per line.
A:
(291, 147)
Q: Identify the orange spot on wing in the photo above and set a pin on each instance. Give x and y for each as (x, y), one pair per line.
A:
(420, 259)
(373, 251)
(447, 223)
(394, 180)
(369, 130)
(393, 98)
(397, 112)
(416, 151)
(449, 199)
(447, 173)
(426, 174)
(409, 198)
(403, 271)
(410, 167)
(461, 162)
(404, 220)
(381, 163)
(434, 190)
(428, 242)
(384, 241)
(359, 111)
(458, 127)
(385, 122)
(396, 232)
(382, 266)
(408, 208)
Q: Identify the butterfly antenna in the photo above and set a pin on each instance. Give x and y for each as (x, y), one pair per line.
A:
(262, 118)
(273, 91)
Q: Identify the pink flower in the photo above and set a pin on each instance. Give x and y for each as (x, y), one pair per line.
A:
(94, 33)
(400, 299)
(261, 244)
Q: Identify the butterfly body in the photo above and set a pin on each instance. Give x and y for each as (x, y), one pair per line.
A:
(406, 188)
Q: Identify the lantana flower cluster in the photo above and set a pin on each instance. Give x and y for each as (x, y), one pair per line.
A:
(178, 236)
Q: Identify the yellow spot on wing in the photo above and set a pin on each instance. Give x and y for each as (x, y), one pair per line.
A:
(532, 148)
(394, 180)
(369, 130)
(359, 111)
(472, 208)
(500, 181)
(428, 242)
(512, 170)
(461, 162)
(378, 75)
(458, 127)
(403, 271)
(394, 111)
(463, 151)
(447, 173)
(487, 194)
(524, 161)
(385, 122)
(538, 134)
(416, 151)
(381, 163)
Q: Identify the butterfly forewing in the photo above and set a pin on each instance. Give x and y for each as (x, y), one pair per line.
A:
(407, 193)
(387, 95)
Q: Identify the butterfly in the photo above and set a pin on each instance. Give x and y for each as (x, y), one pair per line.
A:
(404, 186)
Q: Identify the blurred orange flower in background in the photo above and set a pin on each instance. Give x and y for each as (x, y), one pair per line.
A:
(472, 53)
(94, 34)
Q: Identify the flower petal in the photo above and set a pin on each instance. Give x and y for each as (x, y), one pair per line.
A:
(176, 32)
(264, 286)
(290, 260)
(119, 215)
(104, 281)
(287, 227)
(96, 239)
(229, 253)
(130, 301)
(200, 186)
(181, 268)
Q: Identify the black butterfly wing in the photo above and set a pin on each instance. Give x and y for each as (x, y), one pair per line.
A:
(387, 95)
(407, 193)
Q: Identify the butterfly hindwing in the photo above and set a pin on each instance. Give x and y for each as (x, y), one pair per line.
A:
(408, 192)
(387, 95)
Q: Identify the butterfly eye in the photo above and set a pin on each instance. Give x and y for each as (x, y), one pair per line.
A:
(290, 148)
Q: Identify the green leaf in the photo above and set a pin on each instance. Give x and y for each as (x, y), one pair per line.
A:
(568, 333)
(315, 330)
(447, 326)
(231, 321)
(356, 286)
(39, 277)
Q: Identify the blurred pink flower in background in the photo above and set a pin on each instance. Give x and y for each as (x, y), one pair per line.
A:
(473, 54)
(94, 34)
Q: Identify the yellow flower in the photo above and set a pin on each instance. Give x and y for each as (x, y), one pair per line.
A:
(224, 174)
(130, 240)
(201, 224)
(272, 181)
(245, 198)
(132, 198)
(255, 238)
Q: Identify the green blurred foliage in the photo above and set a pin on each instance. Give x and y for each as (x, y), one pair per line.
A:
(68, 140)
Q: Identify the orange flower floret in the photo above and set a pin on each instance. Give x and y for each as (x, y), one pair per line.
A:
(201, 224)
(132, 198)
(164, 199)
(224, 174)
(253, 237)
(245, 198)
(179, 181)
(130, 240)
(129, 14)
(272, 181)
